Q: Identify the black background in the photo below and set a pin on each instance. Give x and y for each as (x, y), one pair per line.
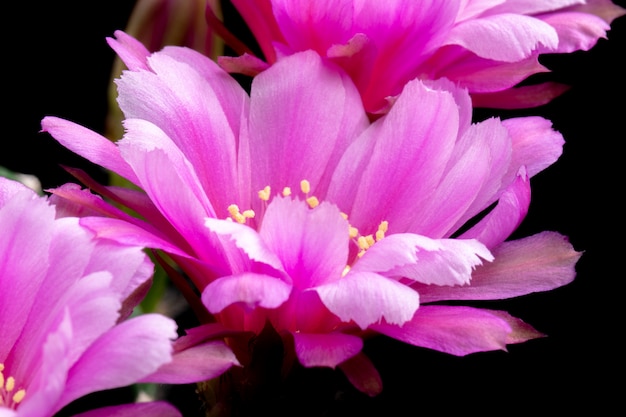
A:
(56, 62)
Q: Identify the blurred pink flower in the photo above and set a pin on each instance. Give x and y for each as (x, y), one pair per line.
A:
(64, 301)
(486, 47)
(289, 206)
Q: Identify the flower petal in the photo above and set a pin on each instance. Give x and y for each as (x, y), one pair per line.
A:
(88, 144)
(246, 239)
(198, 363)
(26, 224)
(122, 356)
(425, 260)
(255, 290)
(328, 349)
(455, 330)
(147, 409)
(366, 298)
(540, 262)
(296, 137)
(368, 188)
(362, 374)
(508, 214)
(312, 244)
(522, 35)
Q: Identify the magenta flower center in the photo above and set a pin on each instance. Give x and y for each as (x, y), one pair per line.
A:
(9, 396)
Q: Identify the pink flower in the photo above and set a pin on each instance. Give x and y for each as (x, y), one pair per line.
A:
(486, 47)
(64, 300)
(290, 207)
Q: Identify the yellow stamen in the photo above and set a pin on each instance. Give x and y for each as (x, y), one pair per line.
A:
(239, 217)
(344, 215)
(345, 271)
(10, 384)
(286, 192)
(370, 240)
(362, 242)
(264, 194)
(305, 186)
(233, 209)
(313, 202)
(19, 396)
(353, 231)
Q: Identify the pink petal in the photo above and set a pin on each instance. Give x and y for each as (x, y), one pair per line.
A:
(366, 298)
(88, 144)
(536, 145)
(504, 37)
(122, 356)
(244, 64)
(261, 21)
(328, 349)
(520, 97)
(540, 262)
(26, 222)
(425, 260)
(577, 31)
(368, 188)
(454, 330)
(312, 244)
(147, 409)
(195, 364)
(508, 214)
(187, 108)
(132, 52)
(128, 234)
(246, 239)
(48, 383)
(254, 290)
(471, 183)
(362, 374)
(171, 182)
(295, 137)
(314, 25)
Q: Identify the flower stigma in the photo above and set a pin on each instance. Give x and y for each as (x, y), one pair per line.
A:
(8, 396)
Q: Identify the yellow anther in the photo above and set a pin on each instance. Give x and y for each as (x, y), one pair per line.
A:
(249, 214)
(305, 186)
(1, 380)
(264, 194)
(10, 384)
(370, 240)
(383, 226)
(233, 209)
(313, 202)
(362, 242)
(353, 231)
(345, 271)
(344, 215)
(19, 396)
(286, 191)
(361, 253)
(1, 367)
(379, 235)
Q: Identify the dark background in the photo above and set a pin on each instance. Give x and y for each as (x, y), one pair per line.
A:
(56, 62)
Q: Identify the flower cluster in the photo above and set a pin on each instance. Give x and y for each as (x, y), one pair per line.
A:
(347, 193)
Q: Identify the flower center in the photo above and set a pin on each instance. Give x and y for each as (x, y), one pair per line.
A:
(362, 242)
(9, 397)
